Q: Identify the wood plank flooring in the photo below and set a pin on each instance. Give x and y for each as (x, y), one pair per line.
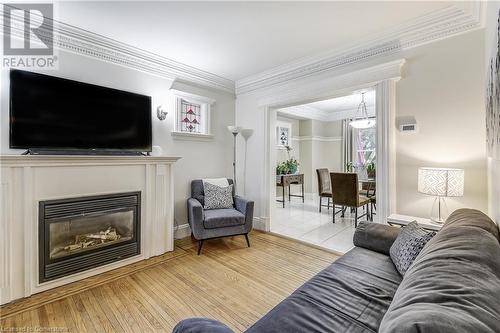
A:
(228, 282)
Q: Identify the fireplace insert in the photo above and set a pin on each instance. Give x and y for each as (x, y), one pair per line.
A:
(78, 234)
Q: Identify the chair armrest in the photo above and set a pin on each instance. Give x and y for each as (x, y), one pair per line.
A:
(201, 325)
(242, 205)
(195, 212)
(375, 236)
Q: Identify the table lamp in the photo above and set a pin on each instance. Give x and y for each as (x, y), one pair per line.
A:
(441, 183)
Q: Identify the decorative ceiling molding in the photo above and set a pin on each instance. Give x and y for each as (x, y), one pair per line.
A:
(322, 87)
(443, 23)
(310, 112)
(76, 40)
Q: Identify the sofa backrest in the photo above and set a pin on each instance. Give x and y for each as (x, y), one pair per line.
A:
(197, 191)
(454, 283)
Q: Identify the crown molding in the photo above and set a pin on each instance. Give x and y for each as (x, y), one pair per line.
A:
(310, 112)
(440, 24)
(79, 41)
(321, 87)
(317, 138)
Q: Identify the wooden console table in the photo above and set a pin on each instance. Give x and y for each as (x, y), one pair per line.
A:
(286, 180)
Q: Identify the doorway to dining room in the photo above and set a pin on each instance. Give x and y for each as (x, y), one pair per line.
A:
(314, 140)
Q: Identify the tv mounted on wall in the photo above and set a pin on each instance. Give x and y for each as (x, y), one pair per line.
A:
(55, 115)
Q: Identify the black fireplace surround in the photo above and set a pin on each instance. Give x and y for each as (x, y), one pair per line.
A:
(78, 234)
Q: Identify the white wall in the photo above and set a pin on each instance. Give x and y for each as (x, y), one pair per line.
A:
(321, 143)
(443, 87)
(199, 159)
(281, 153)
(492, 10)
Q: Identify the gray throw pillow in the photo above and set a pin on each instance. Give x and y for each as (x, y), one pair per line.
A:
(410, 241)
(217, 197)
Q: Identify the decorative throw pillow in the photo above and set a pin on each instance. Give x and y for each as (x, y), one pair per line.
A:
(410, 241)
(217, 197)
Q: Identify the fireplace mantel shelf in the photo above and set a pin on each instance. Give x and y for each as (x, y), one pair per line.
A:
(62, 160)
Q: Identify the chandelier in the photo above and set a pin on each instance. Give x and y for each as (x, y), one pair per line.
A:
(361, 119)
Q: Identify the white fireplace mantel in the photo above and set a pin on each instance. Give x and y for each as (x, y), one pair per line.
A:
(26, 180)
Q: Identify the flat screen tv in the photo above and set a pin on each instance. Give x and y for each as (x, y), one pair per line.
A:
(59, 115)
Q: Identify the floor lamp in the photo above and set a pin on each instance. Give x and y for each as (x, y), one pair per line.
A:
(234, 130)
(245, 133)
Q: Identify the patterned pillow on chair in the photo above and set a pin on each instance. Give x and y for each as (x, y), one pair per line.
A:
(217, 197)
(410, 241)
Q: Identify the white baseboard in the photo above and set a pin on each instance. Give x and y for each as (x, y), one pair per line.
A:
(259, 223)
(182, 231)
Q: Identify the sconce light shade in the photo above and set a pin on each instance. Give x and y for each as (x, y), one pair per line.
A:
(162, 115)
(441, 182)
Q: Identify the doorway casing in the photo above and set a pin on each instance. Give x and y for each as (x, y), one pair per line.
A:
(383, 79)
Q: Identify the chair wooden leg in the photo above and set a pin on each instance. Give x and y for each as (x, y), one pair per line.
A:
(320, 203)
(328, 205)
(333, 214)
(248, 241)
(356, 217)
(200, 244)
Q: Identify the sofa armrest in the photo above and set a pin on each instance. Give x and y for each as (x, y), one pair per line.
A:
(375, 236)
(201, 325)
(195, 213)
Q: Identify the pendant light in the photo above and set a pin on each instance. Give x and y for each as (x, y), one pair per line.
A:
(361, 119)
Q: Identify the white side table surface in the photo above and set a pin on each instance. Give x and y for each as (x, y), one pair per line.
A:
(402, 220)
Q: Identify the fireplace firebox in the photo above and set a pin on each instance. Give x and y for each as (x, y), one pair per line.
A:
(78, 234)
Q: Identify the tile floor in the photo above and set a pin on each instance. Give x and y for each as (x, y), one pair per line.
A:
(304, 222)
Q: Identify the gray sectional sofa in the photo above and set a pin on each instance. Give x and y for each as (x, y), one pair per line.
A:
(453, 286)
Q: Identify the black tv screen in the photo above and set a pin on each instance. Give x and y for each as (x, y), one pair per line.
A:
(50, 113)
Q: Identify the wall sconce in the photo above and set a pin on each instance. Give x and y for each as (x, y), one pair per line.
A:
(162, 115)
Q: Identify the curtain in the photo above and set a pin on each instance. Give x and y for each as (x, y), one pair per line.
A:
(346, 143)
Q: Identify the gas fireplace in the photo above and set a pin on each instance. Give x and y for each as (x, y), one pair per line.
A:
(81, 233)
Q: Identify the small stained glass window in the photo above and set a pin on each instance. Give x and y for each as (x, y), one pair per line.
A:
(190, 117)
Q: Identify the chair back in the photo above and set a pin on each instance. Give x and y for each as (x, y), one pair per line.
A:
(324, 185)
(197, 191)
(345, 190)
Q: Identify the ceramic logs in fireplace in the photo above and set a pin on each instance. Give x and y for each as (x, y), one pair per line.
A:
(78, 234)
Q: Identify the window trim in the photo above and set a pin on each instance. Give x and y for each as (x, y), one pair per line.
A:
(206, 107)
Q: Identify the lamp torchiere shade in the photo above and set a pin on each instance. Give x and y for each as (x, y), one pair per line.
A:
(441, 182)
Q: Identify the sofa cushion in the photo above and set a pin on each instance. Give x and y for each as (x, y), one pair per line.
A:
(454, 283)
(351, 295)
(220, 218)
(410, 241)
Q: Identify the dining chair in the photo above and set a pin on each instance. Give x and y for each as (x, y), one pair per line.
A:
(324, 187)
(345, 192)
(373, 206)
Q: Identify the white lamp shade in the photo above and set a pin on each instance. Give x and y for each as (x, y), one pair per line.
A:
(363, 123)
(441, 182)
(234, 129)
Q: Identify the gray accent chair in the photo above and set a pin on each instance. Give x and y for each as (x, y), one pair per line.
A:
(217, 223)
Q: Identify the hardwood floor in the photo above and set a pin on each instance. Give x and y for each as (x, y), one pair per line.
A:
(228, 282)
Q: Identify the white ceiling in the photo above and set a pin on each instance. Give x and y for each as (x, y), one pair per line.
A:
(237, 39)
(331, 109)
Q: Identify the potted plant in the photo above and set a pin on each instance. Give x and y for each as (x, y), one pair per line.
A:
(289, 166)
(370, 170)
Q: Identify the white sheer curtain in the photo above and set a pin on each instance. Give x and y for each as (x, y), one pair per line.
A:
(346, 144)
